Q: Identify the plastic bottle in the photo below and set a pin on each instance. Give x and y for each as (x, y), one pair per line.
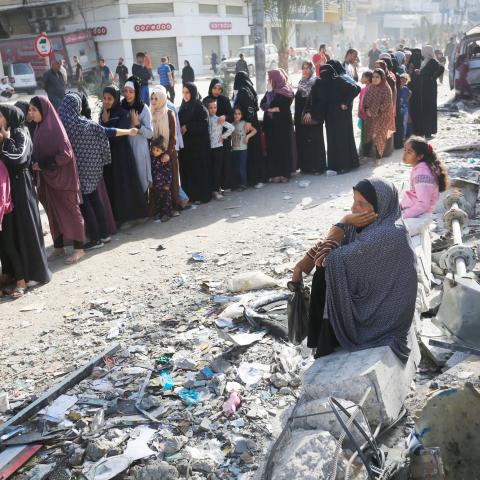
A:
(231, 405)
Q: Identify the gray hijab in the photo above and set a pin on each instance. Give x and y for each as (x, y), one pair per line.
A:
(372, 280)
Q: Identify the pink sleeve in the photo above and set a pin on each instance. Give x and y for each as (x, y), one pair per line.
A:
(425, 190)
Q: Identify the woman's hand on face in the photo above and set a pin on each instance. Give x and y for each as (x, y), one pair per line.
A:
(5, 132)
(184, 129)
(36, 167)
(359, 219)
(134, 118)
(133, 132)
(105, 116)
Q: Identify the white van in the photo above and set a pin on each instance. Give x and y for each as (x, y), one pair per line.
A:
(21, 77)
(470, 46)
(271, 59)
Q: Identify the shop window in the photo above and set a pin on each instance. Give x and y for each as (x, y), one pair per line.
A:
(234, 10)
(149, 8)
(205, 8)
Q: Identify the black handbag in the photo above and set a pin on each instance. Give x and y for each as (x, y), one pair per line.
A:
(297, 311)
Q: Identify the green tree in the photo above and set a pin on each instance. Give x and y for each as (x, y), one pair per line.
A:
(283, 14)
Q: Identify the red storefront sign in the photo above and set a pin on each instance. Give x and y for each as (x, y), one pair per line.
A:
(84, 36)
(220, 25)
(152, 27)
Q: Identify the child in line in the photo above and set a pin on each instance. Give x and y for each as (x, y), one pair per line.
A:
(219, 130)
(362, 115)
(162, 179)
(242, 134)
(405, 94)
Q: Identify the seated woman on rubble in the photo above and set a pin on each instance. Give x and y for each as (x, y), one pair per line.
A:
(427, 179)
(365, 284)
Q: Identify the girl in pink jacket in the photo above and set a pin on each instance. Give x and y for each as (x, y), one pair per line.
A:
(428, 178)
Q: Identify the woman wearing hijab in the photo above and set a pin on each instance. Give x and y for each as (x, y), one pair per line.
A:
(141, 119)
(57, 179)
(188, 75)
(400, 56)
(277, 125)
(92, 152)
(164, 125)
(24, 106)
(121, 176)
(399, 120)
(245, 97)
(365, 284)
(225, 114)
(342, 154)
(195, 168)
(308, 131)
(430, 70)
(380, 121)
(24, 222)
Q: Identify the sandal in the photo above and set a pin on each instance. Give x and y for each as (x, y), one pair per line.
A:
(17, 292)
(74, 258)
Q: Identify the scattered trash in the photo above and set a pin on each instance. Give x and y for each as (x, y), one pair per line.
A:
(252, 373)
(244, 282)
(57, 410)
(331, 173)
(304, 183)
(198, 257)
(232, 404)
(4, 403)
(189, 396)
(242, 339)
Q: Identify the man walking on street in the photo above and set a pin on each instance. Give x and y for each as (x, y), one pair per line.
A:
(106, 76)
(142, 73)
(373, 55)
(121, 73)
(241, 65)
(450, 51)
(54, 84)
(166, 78)
(78, 72)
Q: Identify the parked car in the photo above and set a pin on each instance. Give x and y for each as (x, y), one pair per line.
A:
(21, 76)
(271, 59)
(470, 46)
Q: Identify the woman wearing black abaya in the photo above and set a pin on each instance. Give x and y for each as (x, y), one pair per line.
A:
(245, 97)
(15, 152)
(121, 176)
(342, 154)
(415, 104)
(194, 158)
(399, 134)
(430, 70)
(225, 114)
(308, 133)
(277, 125)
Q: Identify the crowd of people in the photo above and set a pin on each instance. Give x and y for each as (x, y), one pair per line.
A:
(142, 160)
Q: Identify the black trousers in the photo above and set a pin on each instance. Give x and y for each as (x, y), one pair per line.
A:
(8, 247)
(94, 216)
(217, 167)
(171, 92)
(320, 332)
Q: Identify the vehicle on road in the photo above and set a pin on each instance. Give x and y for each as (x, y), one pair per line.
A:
(271, 59)
(470, 46)
(21, 76)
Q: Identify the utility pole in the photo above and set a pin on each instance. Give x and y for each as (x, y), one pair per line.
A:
(259, 36)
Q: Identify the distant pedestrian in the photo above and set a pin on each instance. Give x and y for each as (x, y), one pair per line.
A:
(54, 84)
(140, 71)
(449, 52)
(351, 63)
(241, 65)
(78, 75)
(373, 55)
(214, 62)
(63, 71)
(149, 64)
(320, 58)
(172, 70)
(121, 73)
(106, 76)
(188, 75)
(405, 95)
(166, 78)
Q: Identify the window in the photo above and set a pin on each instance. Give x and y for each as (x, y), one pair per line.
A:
(22, 69)
(234, 10)
(149, 8)
(208, 9)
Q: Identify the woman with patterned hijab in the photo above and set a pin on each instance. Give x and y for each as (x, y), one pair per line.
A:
(365, 284)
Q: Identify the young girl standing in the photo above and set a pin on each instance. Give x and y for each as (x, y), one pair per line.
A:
(162, 179)
(240, 137)
(366, 80)
(428, 178)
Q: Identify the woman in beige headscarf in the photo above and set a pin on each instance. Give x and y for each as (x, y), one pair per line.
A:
(163, 123)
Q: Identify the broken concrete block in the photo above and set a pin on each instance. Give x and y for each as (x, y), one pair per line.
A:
(155, 470)
(308, 456)
(317, 415)
(348, 375)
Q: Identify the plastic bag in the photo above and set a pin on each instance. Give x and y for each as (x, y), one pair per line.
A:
(243, 282)
(297, 309)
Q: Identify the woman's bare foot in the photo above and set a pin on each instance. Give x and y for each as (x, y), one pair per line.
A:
(57, 253)
(19, 290)
(75, 257)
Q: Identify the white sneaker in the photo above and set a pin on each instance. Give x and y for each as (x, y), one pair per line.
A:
(259, 185)
(217, 196)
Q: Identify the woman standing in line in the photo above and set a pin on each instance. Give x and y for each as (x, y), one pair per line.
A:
(380, 120)
(277, 125)
(188, 75)
(308, 129)
(195, 168)
(342, 152)
(141, 119)
(57, 179)
(121, 176)
(164, 125)
(245, 97)
(24, 221)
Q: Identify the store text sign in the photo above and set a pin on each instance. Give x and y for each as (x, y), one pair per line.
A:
(152, 27)
(220, 25)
